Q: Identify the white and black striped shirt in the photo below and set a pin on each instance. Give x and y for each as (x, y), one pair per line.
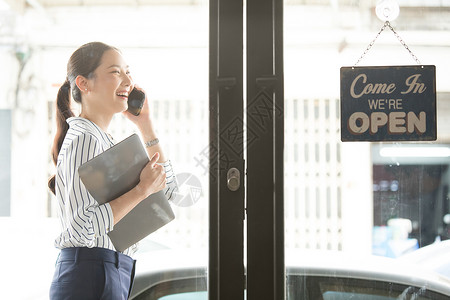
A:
(84, 222)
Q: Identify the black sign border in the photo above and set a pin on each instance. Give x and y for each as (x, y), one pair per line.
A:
(431, 134)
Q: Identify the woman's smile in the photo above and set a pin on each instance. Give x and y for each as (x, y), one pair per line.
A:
(123, 95)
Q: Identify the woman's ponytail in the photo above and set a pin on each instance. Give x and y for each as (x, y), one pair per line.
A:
(63, 112)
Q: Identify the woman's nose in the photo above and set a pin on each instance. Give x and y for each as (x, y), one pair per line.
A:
(127, 80)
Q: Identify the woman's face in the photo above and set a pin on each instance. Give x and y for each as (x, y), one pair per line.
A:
(110, 86)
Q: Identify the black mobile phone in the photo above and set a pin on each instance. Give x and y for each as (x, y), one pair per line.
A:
(135, 101)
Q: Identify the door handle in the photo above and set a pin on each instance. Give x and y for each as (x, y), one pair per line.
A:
(233, 179)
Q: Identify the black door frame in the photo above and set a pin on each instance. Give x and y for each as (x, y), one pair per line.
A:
(226, 209)
(263, 127)
(265, 146)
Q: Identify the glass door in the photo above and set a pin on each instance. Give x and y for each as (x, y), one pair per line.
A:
(271, 202)
(166, 48)
(360, 216)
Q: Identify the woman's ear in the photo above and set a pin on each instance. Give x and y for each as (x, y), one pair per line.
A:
(82, 83)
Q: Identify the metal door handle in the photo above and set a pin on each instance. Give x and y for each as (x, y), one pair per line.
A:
(233, 179)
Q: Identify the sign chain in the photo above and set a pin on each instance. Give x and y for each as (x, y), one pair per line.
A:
(403, 43)
(388, 24)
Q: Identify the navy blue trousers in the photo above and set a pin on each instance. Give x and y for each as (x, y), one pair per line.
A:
(92, 273)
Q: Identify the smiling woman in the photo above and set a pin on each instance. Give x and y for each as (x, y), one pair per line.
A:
(99, 80)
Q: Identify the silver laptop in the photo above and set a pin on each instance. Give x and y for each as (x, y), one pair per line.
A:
(113, 173)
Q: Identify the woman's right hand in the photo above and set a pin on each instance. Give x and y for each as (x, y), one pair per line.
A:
(152, 178)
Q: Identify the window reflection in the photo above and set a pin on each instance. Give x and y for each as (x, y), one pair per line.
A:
(166, 46)
(347, 197)
(338, 196)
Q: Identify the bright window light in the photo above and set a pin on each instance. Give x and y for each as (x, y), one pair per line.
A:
(415, 152)
(3, 5)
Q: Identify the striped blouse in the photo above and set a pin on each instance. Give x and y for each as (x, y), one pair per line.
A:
(84, 222)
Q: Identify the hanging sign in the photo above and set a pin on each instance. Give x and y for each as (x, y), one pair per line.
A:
(388, 103)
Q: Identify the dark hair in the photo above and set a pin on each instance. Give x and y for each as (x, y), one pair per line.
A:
(84, 61)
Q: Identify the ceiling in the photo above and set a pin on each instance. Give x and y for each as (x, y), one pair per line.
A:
(22, 5)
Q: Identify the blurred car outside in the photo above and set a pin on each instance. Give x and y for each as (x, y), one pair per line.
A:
(310, 275)
(435, 257)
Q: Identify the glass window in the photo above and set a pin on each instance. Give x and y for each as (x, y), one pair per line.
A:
(363, 199)
(166, 47)
(350, 207)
